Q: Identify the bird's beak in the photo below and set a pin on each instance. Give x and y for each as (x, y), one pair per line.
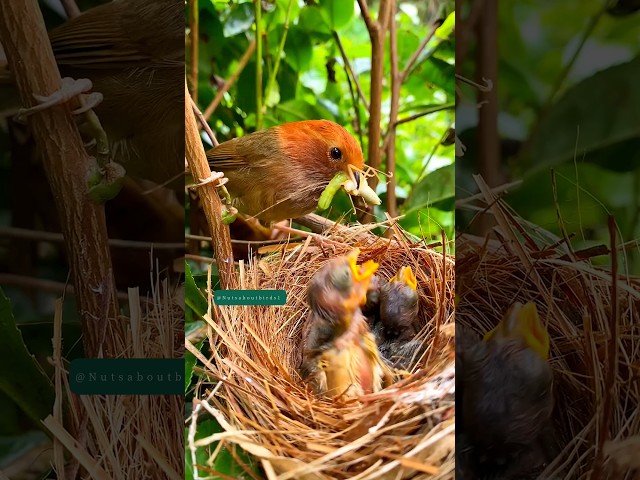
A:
(406, 276)
(361, 277)
(356, 176)
(357, 185)
(523, 322)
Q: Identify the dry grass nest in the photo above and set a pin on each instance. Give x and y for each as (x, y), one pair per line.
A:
(124, 436)
(595, 334)
(403, 431)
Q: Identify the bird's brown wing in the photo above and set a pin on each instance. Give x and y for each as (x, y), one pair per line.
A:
(249, 151)
(121, 34)
(227, 157)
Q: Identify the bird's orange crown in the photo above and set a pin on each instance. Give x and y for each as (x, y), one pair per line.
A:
(313, 139)
(523, 322)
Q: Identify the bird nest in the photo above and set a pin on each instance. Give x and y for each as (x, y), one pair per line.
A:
(403, 431)
(594, 334)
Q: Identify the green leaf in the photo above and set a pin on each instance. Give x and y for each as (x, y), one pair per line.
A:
(239, 20)
(337, 13)
(436, 186)
(21, 377)
(298, 49)
(588, 129)
(193, 296)
(189, 363)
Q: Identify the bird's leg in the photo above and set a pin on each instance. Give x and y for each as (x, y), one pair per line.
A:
(229, 213)
(104, 177)
(71, 88)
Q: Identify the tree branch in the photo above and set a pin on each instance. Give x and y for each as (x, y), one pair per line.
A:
(396, 83)
(194, 27)
(67, 167)
(350, 72)
(210, 200)
(366, 16)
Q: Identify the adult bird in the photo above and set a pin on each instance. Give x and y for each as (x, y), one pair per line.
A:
(281, 172)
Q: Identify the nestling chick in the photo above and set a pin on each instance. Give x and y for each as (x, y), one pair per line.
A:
(399, 306)
(507, 398)
(398, 311)
(340, 354)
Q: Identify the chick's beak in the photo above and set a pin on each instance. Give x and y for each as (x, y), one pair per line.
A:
(406, 276)
(362, 275)
(522, 322)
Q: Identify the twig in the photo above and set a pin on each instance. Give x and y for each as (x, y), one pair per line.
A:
(612, 355)
(377, 33)
(276, 66)
(205, 125)
(232, 79)
(396, 83)
(258, 6)
(43, 285)
(366, 16)
(439, 108)
(42, 236)
(414, 57)
(524, 150)
(426, 165)
(350, 71)
(66, 163)
(464, 28)
(210, 201)
(194, 27)
(70, 8)
(488, 136)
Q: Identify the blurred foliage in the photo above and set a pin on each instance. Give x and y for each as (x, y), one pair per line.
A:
(584, 128)
(308, 80)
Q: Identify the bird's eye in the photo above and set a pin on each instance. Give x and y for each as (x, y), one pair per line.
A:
(341, 278)
(335, 153)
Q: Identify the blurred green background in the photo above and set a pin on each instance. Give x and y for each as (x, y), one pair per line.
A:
(568, 101)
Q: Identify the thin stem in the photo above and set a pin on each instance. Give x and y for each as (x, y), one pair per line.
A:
(278, 57)
(524, 150)
(232, 80)
(366, 16)
(396, 83)
(414, 57)
(65, 162)
(350, 71)
(211, 203)
(426, 164)
(194, 26)
(258, 5)
(70, 8)
(205, 125)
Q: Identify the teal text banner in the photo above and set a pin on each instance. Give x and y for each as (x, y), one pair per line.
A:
(250, 297)
(127, 376)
